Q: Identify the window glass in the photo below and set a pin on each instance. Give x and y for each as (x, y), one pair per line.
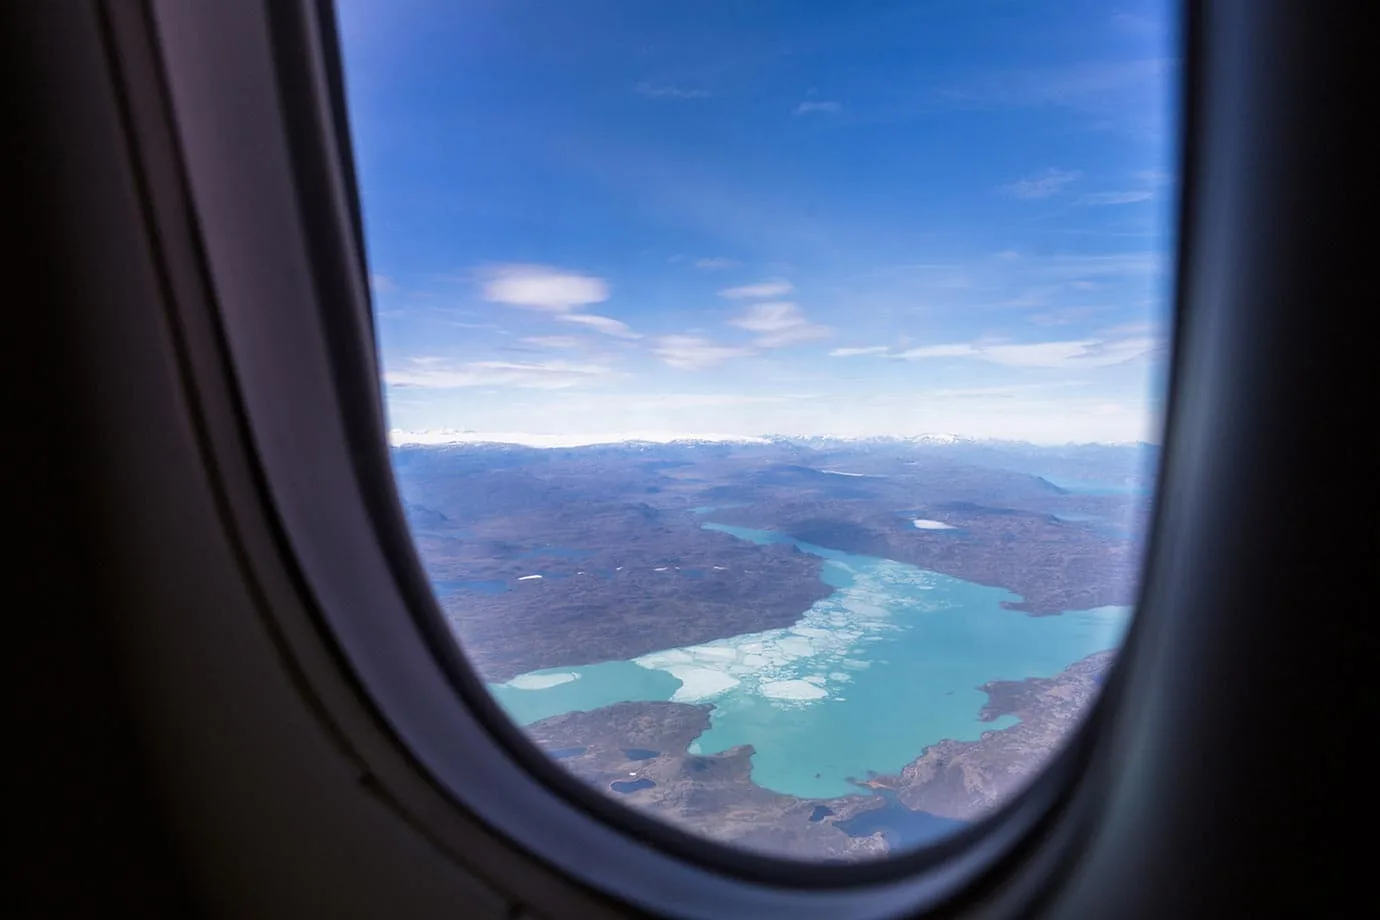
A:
(775, 387)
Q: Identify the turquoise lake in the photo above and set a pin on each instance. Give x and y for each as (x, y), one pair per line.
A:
(866, 679)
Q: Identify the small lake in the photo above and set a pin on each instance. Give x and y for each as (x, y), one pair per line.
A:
(902, 828)
(867, 678)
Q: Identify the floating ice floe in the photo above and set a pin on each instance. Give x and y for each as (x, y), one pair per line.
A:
(698, 684)
(792, 690)
(797, 665)
(528, 577)
(927, 524)
(541, 681)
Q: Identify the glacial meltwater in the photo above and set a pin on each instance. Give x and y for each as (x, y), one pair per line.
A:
(887, 665)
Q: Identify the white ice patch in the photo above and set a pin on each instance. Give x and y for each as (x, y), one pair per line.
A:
(793, 690)
(798, 665)
(927, 524)
(541, 681)
(528, 577)
(698, 684)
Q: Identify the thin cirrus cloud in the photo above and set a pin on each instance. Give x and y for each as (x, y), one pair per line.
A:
(605, 324)
(1043, 184)
(779, 324)
(552, 341)
(825, 107)
(649, 90)
(716, 264)
(762, 290)
(854, 352)
(1075, 353)
(693, 352)
(437, 373)
(1095, 86)
(1130, 197)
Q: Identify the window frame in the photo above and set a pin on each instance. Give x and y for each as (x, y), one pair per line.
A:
(262, 81)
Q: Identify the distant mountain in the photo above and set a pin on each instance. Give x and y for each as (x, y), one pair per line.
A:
(453, 437)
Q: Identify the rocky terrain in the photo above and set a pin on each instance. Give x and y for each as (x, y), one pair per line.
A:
(637, 753)
(625, 567)
(1054, 564)
(965, 779)
(641, 748)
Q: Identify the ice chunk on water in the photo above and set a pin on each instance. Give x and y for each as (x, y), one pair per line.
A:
(700, 683)
(541, 681)
(793, 690)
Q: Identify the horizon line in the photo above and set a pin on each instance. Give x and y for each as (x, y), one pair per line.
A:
(439, 437)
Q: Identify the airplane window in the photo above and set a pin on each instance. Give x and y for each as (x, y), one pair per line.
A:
(775, 388)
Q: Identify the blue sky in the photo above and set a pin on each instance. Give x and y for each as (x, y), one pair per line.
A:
(628, 218)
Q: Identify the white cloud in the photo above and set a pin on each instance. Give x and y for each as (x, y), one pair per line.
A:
(717, 263)
(762, 290)
(856, 352)
(436, 373)
(807, 107)
(605, 324)
(779, 324)
(1040, 185)
(1116, 197)
(552, 341)
(382, 284)
(541, 287)
(770, 317)
(650, 90)
(692, 352)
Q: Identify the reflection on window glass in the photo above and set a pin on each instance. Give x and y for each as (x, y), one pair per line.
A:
(775, 387)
